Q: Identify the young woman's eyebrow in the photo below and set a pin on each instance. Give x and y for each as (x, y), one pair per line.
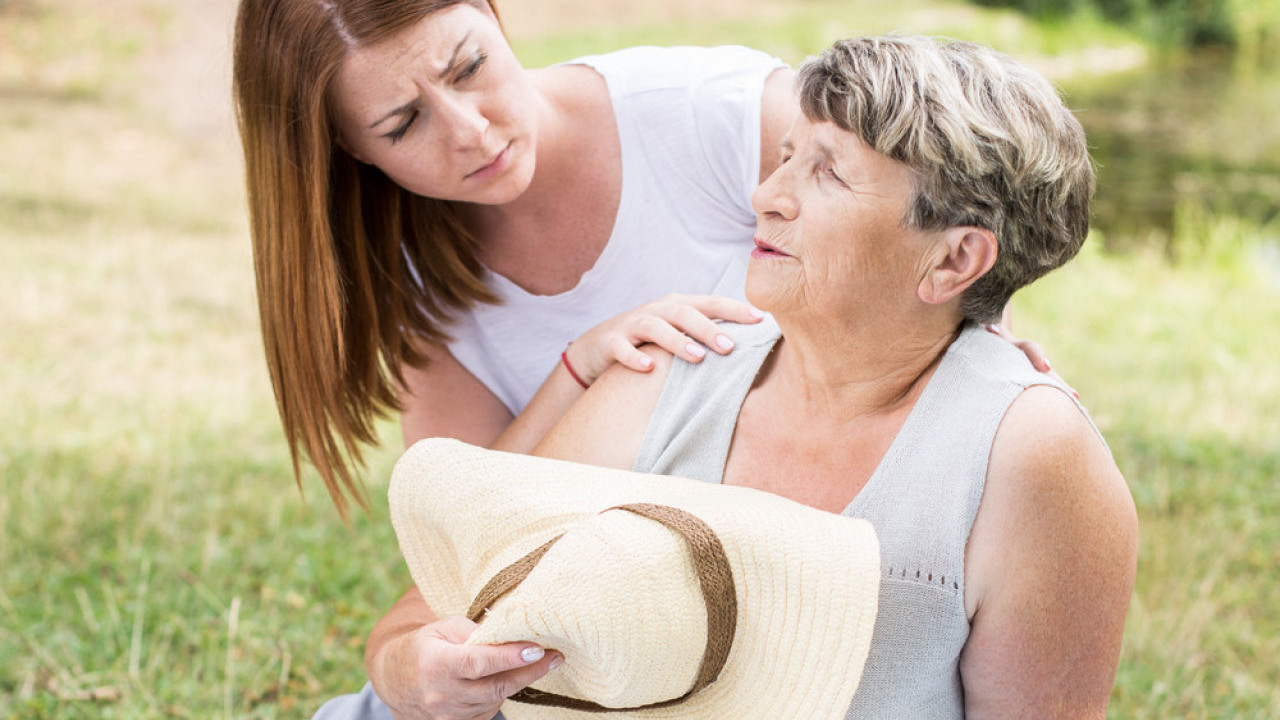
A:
(453, 59)
(398, 111)
(448, 67)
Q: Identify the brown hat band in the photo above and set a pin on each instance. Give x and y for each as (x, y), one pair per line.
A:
(714, 576)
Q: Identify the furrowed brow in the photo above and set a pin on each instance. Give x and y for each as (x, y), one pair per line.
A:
(453, 59)
(448, 67)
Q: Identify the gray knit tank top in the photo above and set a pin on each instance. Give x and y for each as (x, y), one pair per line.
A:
(921, 499)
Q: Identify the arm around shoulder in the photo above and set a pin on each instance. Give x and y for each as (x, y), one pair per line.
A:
(1049, 568)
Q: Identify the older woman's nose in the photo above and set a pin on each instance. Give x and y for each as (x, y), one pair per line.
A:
(772, 198)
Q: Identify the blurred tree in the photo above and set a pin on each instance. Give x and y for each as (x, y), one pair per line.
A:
(1177, 23)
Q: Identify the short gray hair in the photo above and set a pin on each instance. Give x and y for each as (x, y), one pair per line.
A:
(990, 142)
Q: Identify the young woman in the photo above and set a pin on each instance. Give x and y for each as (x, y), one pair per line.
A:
(434, 224)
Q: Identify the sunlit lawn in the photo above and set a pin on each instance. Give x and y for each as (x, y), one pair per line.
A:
(156, 559)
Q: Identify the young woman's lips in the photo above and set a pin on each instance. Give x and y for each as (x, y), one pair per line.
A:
(765, 250)
(495, 166)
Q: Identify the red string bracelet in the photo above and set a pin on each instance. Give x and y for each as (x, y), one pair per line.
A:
(564, 358)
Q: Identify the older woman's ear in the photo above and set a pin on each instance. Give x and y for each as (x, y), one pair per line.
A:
(961, 256)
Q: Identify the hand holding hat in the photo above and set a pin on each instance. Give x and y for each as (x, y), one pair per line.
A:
(669, 598)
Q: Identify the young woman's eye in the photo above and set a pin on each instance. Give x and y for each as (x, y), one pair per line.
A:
(395, 135)
(473, 65)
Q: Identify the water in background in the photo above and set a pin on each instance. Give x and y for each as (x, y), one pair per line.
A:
(1197, 130)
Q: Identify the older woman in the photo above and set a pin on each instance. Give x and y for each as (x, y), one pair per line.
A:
(922, 186)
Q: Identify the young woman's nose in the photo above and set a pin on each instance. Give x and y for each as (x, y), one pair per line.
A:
(463, 120)
(773, 197)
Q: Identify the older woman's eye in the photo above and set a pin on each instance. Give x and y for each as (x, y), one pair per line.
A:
(831, 173)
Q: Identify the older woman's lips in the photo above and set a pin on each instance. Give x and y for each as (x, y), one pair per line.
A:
(495, 166)
(765, 250)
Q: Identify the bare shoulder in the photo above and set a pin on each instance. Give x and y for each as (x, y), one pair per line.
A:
(605, 426)
(1054, 543)
(1046, 450)
(619, 384)
(1050, 476)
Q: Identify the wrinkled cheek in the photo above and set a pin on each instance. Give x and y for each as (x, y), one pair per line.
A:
(853, 285)
(833, 278)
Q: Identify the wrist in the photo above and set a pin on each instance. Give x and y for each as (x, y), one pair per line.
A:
(574, 370)
(386, 666)
(376, 653)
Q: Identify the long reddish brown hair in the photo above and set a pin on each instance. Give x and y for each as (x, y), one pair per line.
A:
(352, 270)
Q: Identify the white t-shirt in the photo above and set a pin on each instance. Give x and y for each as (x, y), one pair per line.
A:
(689, 124)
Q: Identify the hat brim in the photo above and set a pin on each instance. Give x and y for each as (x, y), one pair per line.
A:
(807, 581)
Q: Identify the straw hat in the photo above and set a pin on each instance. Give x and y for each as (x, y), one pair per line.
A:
(669, 598)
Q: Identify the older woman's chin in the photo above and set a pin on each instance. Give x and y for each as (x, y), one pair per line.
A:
(767, 288)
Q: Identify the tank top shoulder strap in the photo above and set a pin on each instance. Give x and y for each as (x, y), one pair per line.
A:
(692, 425)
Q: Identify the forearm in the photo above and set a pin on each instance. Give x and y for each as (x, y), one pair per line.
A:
(408, 614)
(549, 404)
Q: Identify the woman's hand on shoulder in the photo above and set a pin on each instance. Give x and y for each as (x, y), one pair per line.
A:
(432, 674)
(1036, 354)
(683, 325)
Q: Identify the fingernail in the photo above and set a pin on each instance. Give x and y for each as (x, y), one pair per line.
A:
(723, 342)
(695, 350)
(532, 654)
(757, 314)
(645, 361)
(1047, 366)
(557, 662)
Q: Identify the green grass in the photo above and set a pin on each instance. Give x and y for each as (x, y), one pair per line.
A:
(156, 560)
